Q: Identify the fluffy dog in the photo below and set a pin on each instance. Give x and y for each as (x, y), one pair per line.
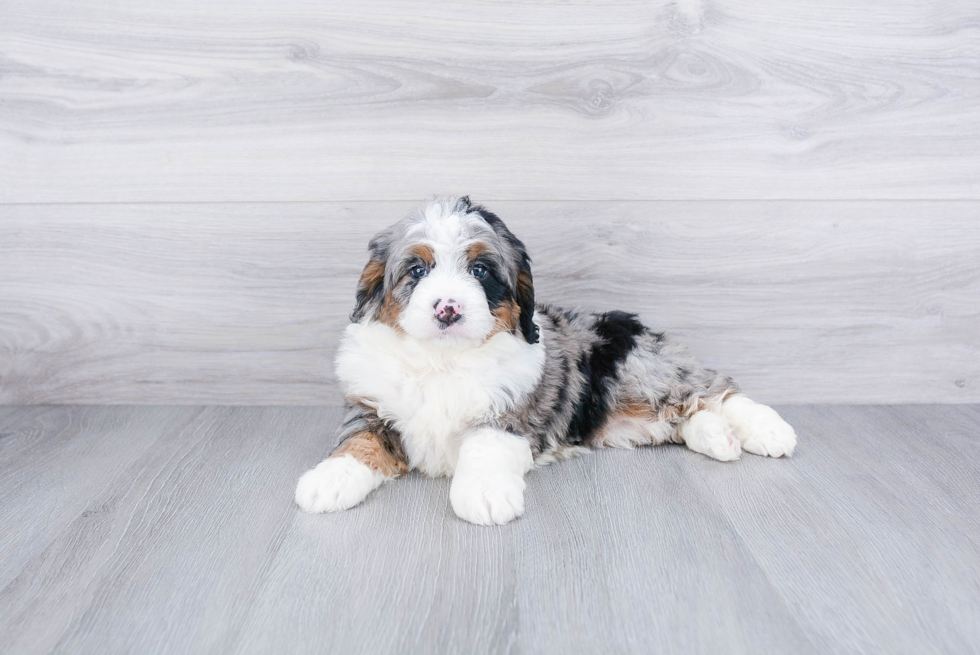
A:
(450, 368)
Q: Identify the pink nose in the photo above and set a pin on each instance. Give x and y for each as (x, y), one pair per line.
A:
(448, 312)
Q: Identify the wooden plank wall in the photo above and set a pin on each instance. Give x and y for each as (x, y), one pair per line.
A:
(186, 189)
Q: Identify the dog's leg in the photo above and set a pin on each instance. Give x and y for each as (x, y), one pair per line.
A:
(707, 433)
(488, 485)
(758, 427)
(356, 468)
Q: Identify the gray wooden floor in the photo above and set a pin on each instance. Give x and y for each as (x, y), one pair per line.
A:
(172, 529)
(187, 189)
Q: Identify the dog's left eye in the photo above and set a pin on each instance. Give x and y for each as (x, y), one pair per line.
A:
(479, 271)
(418, 272)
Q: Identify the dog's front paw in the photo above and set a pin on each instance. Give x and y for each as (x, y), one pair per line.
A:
(336, 483)
(487, 498)
(760, 429)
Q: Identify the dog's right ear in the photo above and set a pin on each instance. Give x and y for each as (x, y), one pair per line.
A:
(371, 285)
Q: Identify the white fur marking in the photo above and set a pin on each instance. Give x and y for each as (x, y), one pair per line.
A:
(708, 434)
(488, 487)
(337, 483)
(433, 394)
(758, 427)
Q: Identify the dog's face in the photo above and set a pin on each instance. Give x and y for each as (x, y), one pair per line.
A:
(452, 274)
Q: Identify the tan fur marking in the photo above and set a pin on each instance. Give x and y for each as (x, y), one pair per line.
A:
(505, 317)
(636, 409)
(628, 413)
(366, 447)
(524, 283)
(390, 311)
(476, 249)
(424, 252)
(372, 275)
(629, 410)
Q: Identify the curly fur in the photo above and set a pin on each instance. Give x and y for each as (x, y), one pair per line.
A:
(449, 367)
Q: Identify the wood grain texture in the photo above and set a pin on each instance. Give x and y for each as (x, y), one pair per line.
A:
(183, 534)
(847, 302)
(911, 456)
(866, 541)
(62, 460)
(178, 101)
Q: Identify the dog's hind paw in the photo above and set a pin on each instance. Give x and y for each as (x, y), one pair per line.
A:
(760, 429)
(708, 434)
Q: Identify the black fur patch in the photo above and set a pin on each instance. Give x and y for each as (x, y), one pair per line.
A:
(495, 290)
(525, 293)
(617, 332)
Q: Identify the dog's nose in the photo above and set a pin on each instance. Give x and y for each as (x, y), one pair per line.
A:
(448, 312)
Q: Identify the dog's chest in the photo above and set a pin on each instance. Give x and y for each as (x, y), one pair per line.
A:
(433, 396)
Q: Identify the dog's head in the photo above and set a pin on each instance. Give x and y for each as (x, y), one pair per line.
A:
(451, 273)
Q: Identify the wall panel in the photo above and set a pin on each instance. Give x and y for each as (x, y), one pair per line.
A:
(848, 302)
(393, 100)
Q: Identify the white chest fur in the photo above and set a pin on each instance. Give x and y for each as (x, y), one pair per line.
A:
(433, 395)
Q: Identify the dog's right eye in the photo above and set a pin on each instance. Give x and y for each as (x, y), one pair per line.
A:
(418, 272)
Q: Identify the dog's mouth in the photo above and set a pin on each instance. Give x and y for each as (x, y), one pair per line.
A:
(451, 326)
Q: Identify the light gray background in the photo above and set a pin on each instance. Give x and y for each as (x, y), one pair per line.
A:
(187, 189)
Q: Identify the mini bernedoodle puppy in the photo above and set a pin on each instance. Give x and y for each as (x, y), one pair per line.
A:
(450, 368)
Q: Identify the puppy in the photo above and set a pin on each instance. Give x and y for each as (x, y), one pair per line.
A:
(449, 367)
